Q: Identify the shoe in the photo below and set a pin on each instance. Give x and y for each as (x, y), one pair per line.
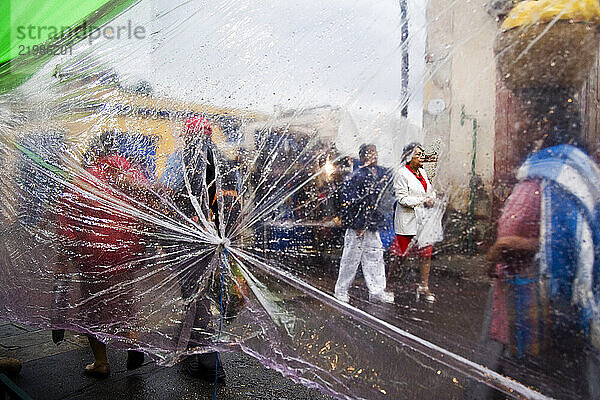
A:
(342, 297)
(424, 290)
(383, 297)
(135, 359)
(58, 335)
(204, 366)
(97, 370)
(10, 366)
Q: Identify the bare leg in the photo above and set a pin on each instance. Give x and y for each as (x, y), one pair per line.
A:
(425, 268)
(100, 367)
(423, 288)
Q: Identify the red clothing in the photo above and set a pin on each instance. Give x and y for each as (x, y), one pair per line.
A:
(520, 218)
(103, 236)
(401, 242)
(418, 176)
(521, 214)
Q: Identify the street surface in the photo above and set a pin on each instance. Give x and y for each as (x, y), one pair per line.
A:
(453, 322)
(53, 372)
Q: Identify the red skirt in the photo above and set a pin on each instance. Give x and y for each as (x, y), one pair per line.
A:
(401, 243)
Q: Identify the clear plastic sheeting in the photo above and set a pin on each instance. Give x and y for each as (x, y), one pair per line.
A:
(184, 178)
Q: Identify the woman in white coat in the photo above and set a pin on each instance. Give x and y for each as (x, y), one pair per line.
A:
(412, 189)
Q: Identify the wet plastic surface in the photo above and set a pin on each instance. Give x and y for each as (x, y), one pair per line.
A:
(195, 187)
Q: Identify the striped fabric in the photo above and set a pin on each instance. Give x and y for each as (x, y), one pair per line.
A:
(568, 260)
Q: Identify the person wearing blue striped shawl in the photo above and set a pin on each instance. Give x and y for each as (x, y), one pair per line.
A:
(546, 258)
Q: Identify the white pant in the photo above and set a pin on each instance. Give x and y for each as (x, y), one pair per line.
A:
(368, 250)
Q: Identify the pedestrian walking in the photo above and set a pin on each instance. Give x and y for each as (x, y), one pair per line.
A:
(545, 258)
(414, 192)
(363, 196)
(193, 178)
(103, 252)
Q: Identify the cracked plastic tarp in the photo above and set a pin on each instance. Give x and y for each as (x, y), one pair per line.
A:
(171, 182)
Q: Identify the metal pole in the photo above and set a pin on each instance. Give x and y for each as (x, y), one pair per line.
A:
(404, 45)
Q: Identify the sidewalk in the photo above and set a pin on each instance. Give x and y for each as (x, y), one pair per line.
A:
(459, 267)
(471, 268)
(56, 372)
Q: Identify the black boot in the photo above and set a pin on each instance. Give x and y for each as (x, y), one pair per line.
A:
(135, 359)
(203, 366)
(58, 335)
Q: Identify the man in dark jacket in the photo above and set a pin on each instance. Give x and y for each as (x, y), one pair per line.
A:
(364, 194)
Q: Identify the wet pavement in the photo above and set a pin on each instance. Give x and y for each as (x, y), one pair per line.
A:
(56, 372)
(454, 322)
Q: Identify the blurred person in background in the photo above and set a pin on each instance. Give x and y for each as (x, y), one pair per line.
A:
(362, 199)
(103, 244)
(413, 190)
(546, 258)
(192, 178)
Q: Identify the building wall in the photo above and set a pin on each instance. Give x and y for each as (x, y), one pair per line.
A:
(460, 89)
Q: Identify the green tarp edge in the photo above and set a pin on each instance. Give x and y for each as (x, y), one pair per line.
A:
(28, 23)
(15, 71)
